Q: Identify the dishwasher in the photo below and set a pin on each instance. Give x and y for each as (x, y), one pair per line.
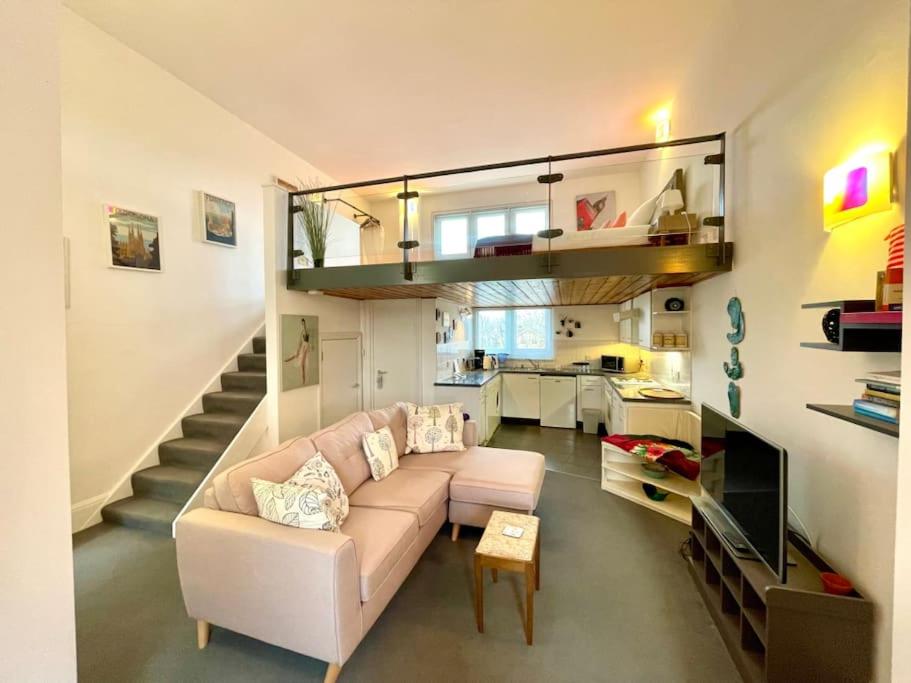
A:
(558, 401)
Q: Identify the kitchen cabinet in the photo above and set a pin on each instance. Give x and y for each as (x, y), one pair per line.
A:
(492, 406)
(642, 321)
(588, 395)
(521, 396)
(626, 322)
(558, 401)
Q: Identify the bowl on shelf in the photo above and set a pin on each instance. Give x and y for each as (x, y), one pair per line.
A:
(654, 470)
(654, 493)
(836, 584)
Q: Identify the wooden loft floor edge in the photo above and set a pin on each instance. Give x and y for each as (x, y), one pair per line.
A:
(615, 262)
(522, 281)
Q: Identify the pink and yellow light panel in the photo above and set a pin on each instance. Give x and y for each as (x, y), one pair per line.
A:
(858, 187)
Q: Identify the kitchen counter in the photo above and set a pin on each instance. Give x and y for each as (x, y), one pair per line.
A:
(626, 391)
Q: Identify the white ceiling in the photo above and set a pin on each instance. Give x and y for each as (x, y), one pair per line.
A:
(367, 89)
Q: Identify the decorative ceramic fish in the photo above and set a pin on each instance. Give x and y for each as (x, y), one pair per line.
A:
(734, 399)
(734, 369)
(735, 312)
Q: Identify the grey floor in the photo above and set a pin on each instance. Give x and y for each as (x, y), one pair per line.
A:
(616, 604)
(570, 451)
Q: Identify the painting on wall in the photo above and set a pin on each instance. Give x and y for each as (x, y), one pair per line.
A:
(300, 351)
(219, 220)
(135, 240)
(596, 211)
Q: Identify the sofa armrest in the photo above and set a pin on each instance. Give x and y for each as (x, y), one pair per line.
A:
(470, 434)
(294, 588)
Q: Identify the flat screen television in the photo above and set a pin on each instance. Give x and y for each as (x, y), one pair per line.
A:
(746, 475)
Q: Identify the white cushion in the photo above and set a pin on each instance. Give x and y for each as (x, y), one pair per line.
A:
(312, 506)
(644, 214)
(434, 429)
(379, 447)
(319, 469)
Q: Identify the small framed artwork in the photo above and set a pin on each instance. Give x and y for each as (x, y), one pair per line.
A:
(437, 313)
(445, 319)
(219, 220)
(135, 239)
(439, 337)
(446, 337)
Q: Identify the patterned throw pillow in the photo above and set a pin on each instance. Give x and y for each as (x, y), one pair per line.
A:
(306, 507)
(379, 447)
(433, 429)
(318, 468)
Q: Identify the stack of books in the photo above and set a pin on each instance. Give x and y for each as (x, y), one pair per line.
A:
(882, 398)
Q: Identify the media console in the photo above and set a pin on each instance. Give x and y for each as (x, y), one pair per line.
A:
(781, 632)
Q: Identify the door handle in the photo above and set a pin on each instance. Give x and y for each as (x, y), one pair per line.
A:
(355, 386)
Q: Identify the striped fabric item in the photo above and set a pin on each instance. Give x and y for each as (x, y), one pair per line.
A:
(896, 240)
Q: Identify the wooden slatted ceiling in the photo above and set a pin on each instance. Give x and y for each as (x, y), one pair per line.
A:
(539, 292)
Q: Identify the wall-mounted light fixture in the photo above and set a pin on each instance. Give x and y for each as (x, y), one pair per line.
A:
(860, 186)
(662, 120)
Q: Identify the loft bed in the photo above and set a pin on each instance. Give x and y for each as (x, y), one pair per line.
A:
(552, 267)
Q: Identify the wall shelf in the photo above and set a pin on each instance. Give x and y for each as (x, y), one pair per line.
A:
(859, 336)
(846, 413)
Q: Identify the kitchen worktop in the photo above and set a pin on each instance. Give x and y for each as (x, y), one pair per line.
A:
(624, 386)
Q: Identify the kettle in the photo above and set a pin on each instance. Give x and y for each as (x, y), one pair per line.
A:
(488, 363)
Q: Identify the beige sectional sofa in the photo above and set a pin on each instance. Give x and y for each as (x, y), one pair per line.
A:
(319, 592)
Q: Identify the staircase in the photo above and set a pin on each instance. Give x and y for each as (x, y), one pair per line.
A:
(160, 492)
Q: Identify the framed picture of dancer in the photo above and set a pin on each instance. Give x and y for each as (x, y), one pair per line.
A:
(300, 351)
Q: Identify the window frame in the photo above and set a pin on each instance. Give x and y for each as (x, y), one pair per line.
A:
(509, 212)
(510, 333)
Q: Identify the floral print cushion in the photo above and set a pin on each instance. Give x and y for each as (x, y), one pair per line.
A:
(318, 468)
(434, 429)
(306, 507)
(379, 447)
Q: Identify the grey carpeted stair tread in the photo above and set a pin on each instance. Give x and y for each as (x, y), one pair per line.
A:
(240, 402)
(219, 426)
(259, 344)
(167, 482)
(142, 513)
(190, 452)
(244, 380)
(252, 361)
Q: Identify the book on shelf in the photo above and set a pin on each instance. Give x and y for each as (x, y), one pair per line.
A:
(884, 377)
(885, 395)
(893, 401)
(876, 411)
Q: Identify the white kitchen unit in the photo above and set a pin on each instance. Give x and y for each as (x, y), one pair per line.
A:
(474, 401)
(625, 317)
(588, 395)
(642, 321)
(558, 401)
(493, 405)
(521, 396)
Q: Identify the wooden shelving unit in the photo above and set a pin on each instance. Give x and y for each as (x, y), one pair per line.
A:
(781, 632)
(623, 476)
(868, 337)
(846, 413)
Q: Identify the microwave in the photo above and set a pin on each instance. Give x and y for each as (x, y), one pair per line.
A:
(612, 364)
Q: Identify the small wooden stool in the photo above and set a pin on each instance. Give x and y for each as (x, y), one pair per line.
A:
(522, 555)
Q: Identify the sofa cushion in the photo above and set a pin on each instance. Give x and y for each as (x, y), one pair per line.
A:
(420, 492)
(446, 461)
(381, 538)
(499, 477)
(233, 491)
(341, 445)
(379, 448)
(434, 428)
(394, 418)
(314, 505)
(317, 469)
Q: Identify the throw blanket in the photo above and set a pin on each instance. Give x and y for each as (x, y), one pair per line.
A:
(677, 456)
(503, 245)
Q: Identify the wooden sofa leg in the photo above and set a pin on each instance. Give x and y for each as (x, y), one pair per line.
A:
(332, 672)
(455, 532)
(202, 633)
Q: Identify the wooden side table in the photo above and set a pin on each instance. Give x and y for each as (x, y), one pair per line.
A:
(521, 555)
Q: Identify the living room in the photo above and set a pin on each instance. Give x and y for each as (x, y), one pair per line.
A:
(125, 107)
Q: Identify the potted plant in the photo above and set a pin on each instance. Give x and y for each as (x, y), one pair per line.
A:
(316, 216)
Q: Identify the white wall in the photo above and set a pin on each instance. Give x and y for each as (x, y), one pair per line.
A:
(142, 345)
(37, 629)
(784, 136)
(294, 412)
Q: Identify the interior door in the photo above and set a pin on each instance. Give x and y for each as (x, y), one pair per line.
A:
(340, 390)
(395, 367)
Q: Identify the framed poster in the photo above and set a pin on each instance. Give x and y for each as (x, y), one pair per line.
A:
(219, 220)
(300, 351)
(135, 239)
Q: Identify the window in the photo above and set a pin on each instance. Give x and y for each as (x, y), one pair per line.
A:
(520, 332)
(455, 234)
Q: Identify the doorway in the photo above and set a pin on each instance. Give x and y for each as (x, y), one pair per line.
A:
(340, 387)
(395, 372)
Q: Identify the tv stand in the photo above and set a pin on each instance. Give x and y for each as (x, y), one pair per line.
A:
(774, 631)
